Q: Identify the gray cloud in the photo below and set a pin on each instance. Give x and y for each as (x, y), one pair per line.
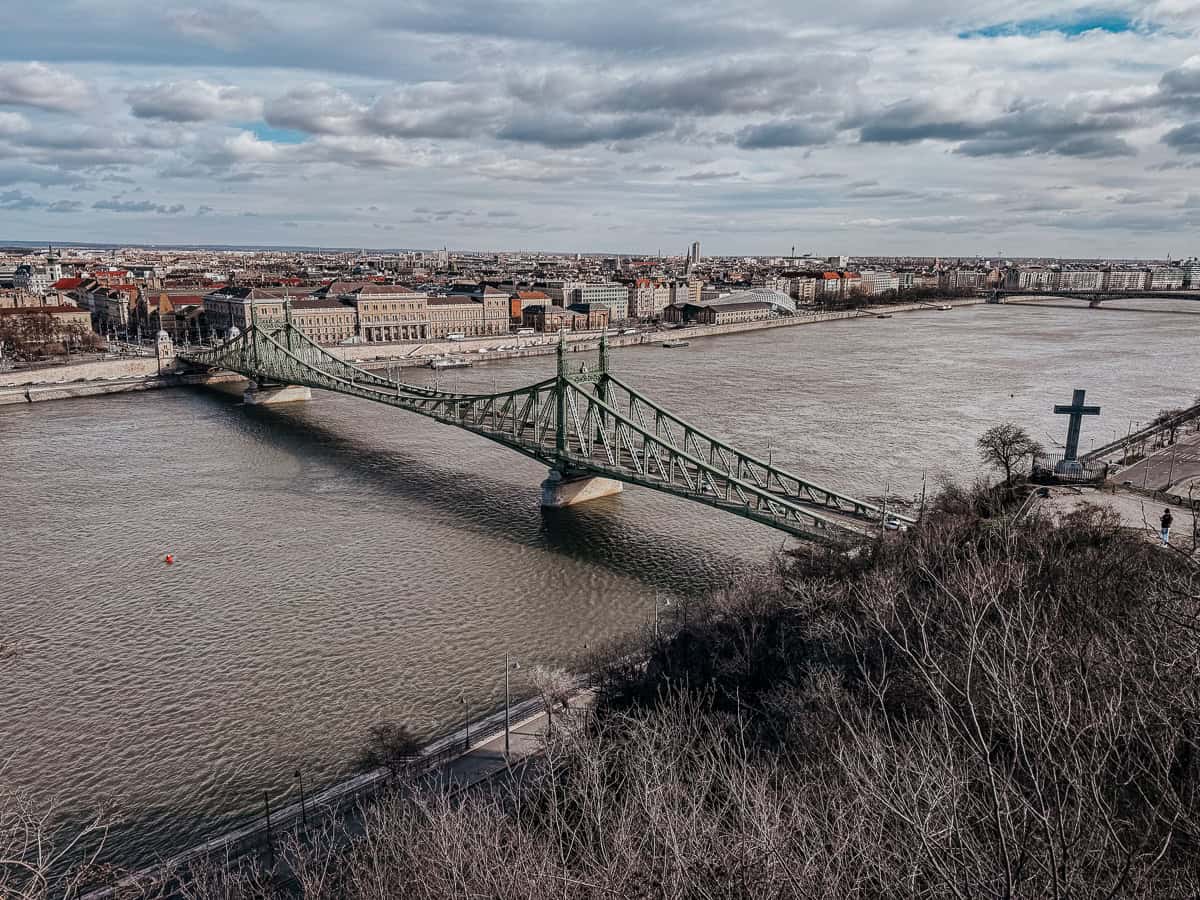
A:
(64, 206)
(192, 101)
(1185, 138)
(662, 29)
(138, 206)
(786, 133)
(753, 84)
(16, 200)
(41, 87)
(1025, 128)
(1180, 87)
(13, 124)
(317, 108)
(44, 176)
(225, 26)
(707, 176)
(910, 121)
(565, 131)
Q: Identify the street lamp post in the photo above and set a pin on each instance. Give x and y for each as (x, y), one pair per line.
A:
(462, 698)
(509, 665)
(270, 842)
(657, 603)
(303, 808)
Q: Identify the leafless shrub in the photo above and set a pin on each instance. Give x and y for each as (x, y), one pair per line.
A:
(43, 855)
(389, 745)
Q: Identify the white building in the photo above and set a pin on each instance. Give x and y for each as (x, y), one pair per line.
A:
(34, 279)
(604, 293)
(1165, 278)
(1077, 280)
(1191, 272)
(1125, 279)
(874, 283)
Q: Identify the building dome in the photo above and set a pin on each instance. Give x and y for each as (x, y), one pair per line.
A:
(234, 332)
(162, 334)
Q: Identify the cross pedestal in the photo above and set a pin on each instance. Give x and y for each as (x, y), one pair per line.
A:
(1076, 411)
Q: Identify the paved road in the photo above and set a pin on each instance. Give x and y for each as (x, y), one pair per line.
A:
(1137, 512)
(1177, 466)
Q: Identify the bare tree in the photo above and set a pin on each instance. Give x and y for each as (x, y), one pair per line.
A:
(1006, 446)
(389, 745)
(555, 687)
(1167, 419)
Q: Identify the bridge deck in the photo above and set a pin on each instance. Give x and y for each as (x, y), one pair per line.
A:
(579, 423)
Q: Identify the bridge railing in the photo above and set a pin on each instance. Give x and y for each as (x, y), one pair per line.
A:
(760, 472)
(1144, 434)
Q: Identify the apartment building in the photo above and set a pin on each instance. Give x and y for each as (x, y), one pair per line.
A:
(604, 293)
(874, 283)
(1125, 279)
(1165, 278)
(1077, 280)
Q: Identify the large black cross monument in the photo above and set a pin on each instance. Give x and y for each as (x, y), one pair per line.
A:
(1076, 411)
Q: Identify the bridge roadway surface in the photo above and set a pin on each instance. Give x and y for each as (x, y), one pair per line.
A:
(580, 424)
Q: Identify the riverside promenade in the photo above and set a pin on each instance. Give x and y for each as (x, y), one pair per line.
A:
(447, 761)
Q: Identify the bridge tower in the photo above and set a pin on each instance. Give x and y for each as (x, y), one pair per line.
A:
(263, 391)
(566, 485)
(164, 349)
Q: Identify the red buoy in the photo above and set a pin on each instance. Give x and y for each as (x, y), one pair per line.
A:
(169, 560)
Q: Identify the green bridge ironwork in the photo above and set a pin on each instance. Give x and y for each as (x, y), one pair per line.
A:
(581, 423)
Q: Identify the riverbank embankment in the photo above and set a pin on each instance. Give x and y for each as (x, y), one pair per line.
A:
(91, 379)
(489, 349)
(92, 385)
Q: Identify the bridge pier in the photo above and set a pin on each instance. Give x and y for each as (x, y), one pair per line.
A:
(560, 490)
(262, 394)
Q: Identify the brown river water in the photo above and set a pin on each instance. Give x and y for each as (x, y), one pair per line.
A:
(341, 562)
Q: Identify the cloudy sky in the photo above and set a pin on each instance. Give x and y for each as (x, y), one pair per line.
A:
(933, 126)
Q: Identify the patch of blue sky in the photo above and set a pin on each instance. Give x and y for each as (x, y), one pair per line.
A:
(1111, 23)
(265, 132)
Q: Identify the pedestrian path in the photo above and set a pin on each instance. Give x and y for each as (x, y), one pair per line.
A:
(448, 760)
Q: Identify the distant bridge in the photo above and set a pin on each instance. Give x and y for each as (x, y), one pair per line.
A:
(1094, 298)
(586, 425)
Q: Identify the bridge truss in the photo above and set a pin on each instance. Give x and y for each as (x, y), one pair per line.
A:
(581, 423)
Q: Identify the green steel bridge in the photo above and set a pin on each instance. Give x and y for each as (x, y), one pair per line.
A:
(1094, 298)
(581, 423)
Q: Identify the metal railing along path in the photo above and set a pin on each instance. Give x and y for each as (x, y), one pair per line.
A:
(255, 834)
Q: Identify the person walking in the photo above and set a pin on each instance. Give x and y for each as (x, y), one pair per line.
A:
(1165, 522)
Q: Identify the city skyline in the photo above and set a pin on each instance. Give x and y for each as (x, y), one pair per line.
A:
(928, 129)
